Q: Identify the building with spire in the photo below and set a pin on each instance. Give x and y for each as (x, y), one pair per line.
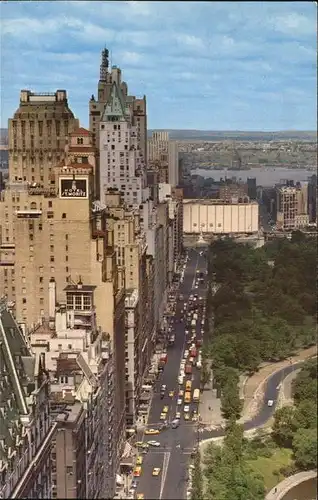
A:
(122, 165)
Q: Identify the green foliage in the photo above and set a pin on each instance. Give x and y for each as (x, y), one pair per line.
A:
(265, 304)
(231, 404)
(228, 475)
(296, 427)
(284, 425)
(305, 448)
(197, 493)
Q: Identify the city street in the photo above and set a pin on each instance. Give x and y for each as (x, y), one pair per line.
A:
(175, 444)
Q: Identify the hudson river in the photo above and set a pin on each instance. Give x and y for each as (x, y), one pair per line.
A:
(265, 176)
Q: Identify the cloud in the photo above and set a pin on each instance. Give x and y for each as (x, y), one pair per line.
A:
(248, 65)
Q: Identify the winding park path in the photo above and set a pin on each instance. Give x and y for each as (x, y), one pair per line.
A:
(280, 490)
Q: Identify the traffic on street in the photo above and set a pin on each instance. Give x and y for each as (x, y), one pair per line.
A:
(171, 433)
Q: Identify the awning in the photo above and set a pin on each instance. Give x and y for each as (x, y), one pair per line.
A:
(127, 450)
(145, 396)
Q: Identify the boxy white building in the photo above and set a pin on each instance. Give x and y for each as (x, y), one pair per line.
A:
(212, 216)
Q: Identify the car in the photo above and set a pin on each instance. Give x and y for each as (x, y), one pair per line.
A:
(140, 496)
(181, 393)
(186, 353)
(154, 443)
(165, 409)
(179, 401)
(134, 484)
(163, 416)
(139, 460)
(180, 379)
(178, 415)
(194, 418)
(202, 322)
(171, 394)
(156, 471)
(150, 432)
(186, 409)
(139, 444)
(186, 416)
(270, 402)
(175, 423)
(137, 472)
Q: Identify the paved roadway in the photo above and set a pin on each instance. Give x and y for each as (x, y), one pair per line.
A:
(176, 445)
(173, 461)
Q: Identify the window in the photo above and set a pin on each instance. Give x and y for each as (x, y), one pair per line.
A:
(40, 269)
(78, 302)
(41, 290)
(41, 301)
(87, 302)
(23, 301)
(80, 140)
(64, 216)
(50, 215)
(52, 269)
(52, 248)
(40, 227)
(50, 204)
(66, 248)
(52, 258)
(66, 270)
(41, 279)
(24, 290)
(113, 146)
(66, 236)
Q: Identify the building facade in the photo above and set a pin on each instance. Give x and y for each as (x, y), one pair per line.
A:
(220, 218)
(27, 431)
(163, 157)
(82, 375)
(38, 134)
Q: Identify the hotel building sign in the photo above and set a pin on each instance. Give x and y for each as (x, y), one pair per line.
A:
(73, 188)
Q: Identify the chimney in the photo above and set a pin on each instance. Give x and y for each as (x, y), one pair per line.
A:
(80, 284)
(52, 299)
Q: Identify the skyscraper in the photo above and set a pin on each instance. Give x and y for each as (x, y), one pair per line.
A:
(38, 133)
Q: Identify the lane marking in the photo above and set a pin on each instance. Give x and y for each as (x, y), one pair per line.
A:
(165, 466)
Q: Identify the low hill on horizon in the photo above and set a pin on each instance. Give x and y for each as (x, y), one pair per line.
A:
(222, 135)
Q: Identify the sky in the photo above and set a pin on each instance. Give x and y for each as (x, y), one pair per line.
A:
(202, 65)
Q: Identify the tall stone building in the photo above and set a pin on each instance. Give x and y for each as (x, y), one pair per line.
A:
(26, 428)
(62, 238)
(163, 157)
(121, 164)
(38, 134)
(81, 368)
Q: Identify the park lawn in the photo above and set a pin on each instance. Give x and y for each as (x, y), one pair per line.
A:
(268, 466)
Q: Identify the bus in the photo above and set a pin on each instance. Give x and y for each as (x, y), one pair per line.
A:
(196, 395)
(188, 385)
(187, 397)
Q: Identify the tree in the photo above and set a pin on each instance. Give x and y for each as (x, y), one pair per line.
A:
(231, 404)
(306, 414)
(205, 375)
(305, 448)
(233, 441)
(197, 481)
(284, 426)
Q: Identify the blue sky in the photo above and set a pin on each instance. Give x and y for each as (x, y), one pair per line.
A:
(202, 65)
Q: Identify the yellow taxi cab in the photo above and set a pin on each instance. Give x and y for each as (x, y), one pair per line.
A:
(139, 460)
(186, 416)
(137, 472)
(140, 496)
(178, 414)
(151, 432)
(163, 416)
(156, 471)
(171, 394)
(165, 409)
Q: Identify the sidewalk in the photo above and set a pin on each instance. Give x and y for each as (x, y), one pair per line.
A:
(280, 490)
